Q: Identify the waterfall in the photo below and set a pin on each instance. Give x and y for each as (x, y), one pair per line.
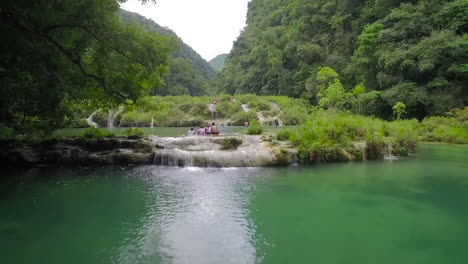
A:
(112, 115)
(212, 108)
(274, 120)
(90, 121)
(152, 122)
(204, 151)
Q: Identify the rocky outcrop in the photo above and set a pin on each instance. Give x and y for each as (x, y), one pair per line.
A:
(77, 151)
(214, 151)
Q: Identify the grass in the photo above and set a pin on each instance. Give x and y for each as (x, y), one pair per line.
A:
(255, 128)
(178, 111)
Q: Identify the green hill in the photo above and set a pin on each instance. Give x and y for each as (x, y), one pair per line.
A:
(217, 63)
(188, 71)
(401, 51)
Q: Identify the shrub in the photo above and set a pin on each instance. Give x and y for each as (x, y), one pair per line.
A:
(133, 133)
(284, 135)
(241, 117)
(255, 128)
(259, 104)
(6, 132)
(229, 143)
(94, 133)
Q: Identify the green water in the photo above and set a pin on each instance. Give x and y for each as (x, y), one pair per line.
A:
(407, 211)
(165, 131)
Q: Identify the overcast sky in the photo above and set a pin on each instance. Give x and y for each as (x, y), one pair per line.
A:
(208, 26)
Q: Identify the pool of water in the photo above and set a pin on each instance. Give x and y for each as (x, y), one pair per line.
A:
(166, 131)
(411, 211)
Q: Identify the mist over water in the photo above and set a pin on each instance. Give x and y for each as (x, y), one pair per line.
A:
(396, 211)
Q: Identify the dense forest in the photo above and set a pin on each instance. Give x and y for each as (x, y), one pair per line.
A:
(361, 54)
(217, 63)
(202, 69)
(59, 55)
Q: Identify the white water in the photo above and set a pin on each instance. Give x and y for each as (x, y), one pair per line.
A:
(212, 108)
(205, 151)
(112, 115)
(152, 122)
(274, 120)
(90, 121)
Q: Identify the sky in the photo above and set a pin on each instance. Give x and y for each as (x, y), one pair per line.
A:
(208, 26)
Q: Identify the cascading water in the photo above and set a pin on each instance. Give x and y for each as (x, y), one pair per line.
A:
(272, 120)
(152, 122)
(212, 108)
(205, 151)
(112, 115)
(90, 121)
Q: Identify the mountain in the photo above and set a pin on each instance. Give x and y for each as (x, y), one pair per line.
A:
(405, 51)
(217, 63)
(185, 52)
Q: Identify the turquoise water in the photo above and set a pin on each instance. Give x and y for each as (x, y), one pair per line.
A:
(413, 210)
(165, 131)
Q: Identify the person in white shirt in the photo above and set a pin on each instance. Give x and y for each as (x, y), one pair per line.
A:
(190, 132)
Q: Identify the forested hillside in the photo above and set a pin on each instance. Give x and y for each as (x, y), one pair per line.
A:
(217, 63)
(414, 52)
(188, 71)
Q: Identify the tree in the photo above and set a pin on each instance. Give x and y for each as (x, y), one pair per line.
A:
(57, 51)
(398, 110)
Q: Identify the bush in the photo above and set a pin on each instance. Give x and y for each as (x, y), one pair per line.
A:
(229, 143)
(259, 104)
(255, 128)
(94, 133)
(241, 117)
(442, 129)
(6, 132)
(133, 133)
(284, 135)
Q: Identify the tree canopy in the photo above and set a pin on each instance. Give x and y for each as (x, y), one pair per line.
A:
(56, 51)
(414, 52)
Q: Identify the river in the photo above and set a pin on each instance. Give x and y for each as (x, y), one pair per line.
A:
(413, 210)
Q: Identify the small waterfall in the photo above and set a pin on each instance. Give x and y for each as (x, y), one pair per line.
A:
(274, 120)
(389, 155)
(152, 122)
(112, 115)
(90, 121)
(212, 108)
(204, 151)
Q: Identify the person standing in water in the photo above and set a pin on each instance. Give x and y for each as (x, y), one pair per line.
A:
(214, 129)
(208, 129)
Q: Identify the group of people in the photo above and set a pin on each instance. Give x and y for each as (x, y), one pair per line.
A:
(204, 131)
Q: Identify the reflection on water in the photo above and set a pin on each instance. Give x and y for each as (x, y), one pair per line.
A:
(411, 211)
(194, 216)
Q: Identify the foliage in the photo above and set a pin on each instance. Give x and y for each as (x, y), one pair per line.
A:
(284, 135)
(441, 129)
(6, 132)
(94, 133)
(255, 128)
(414, 52)
(58, 52)
(229, 143)
(329, 136)
(217, 63)
(202, 68)
(133, 132)
(399, 109)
